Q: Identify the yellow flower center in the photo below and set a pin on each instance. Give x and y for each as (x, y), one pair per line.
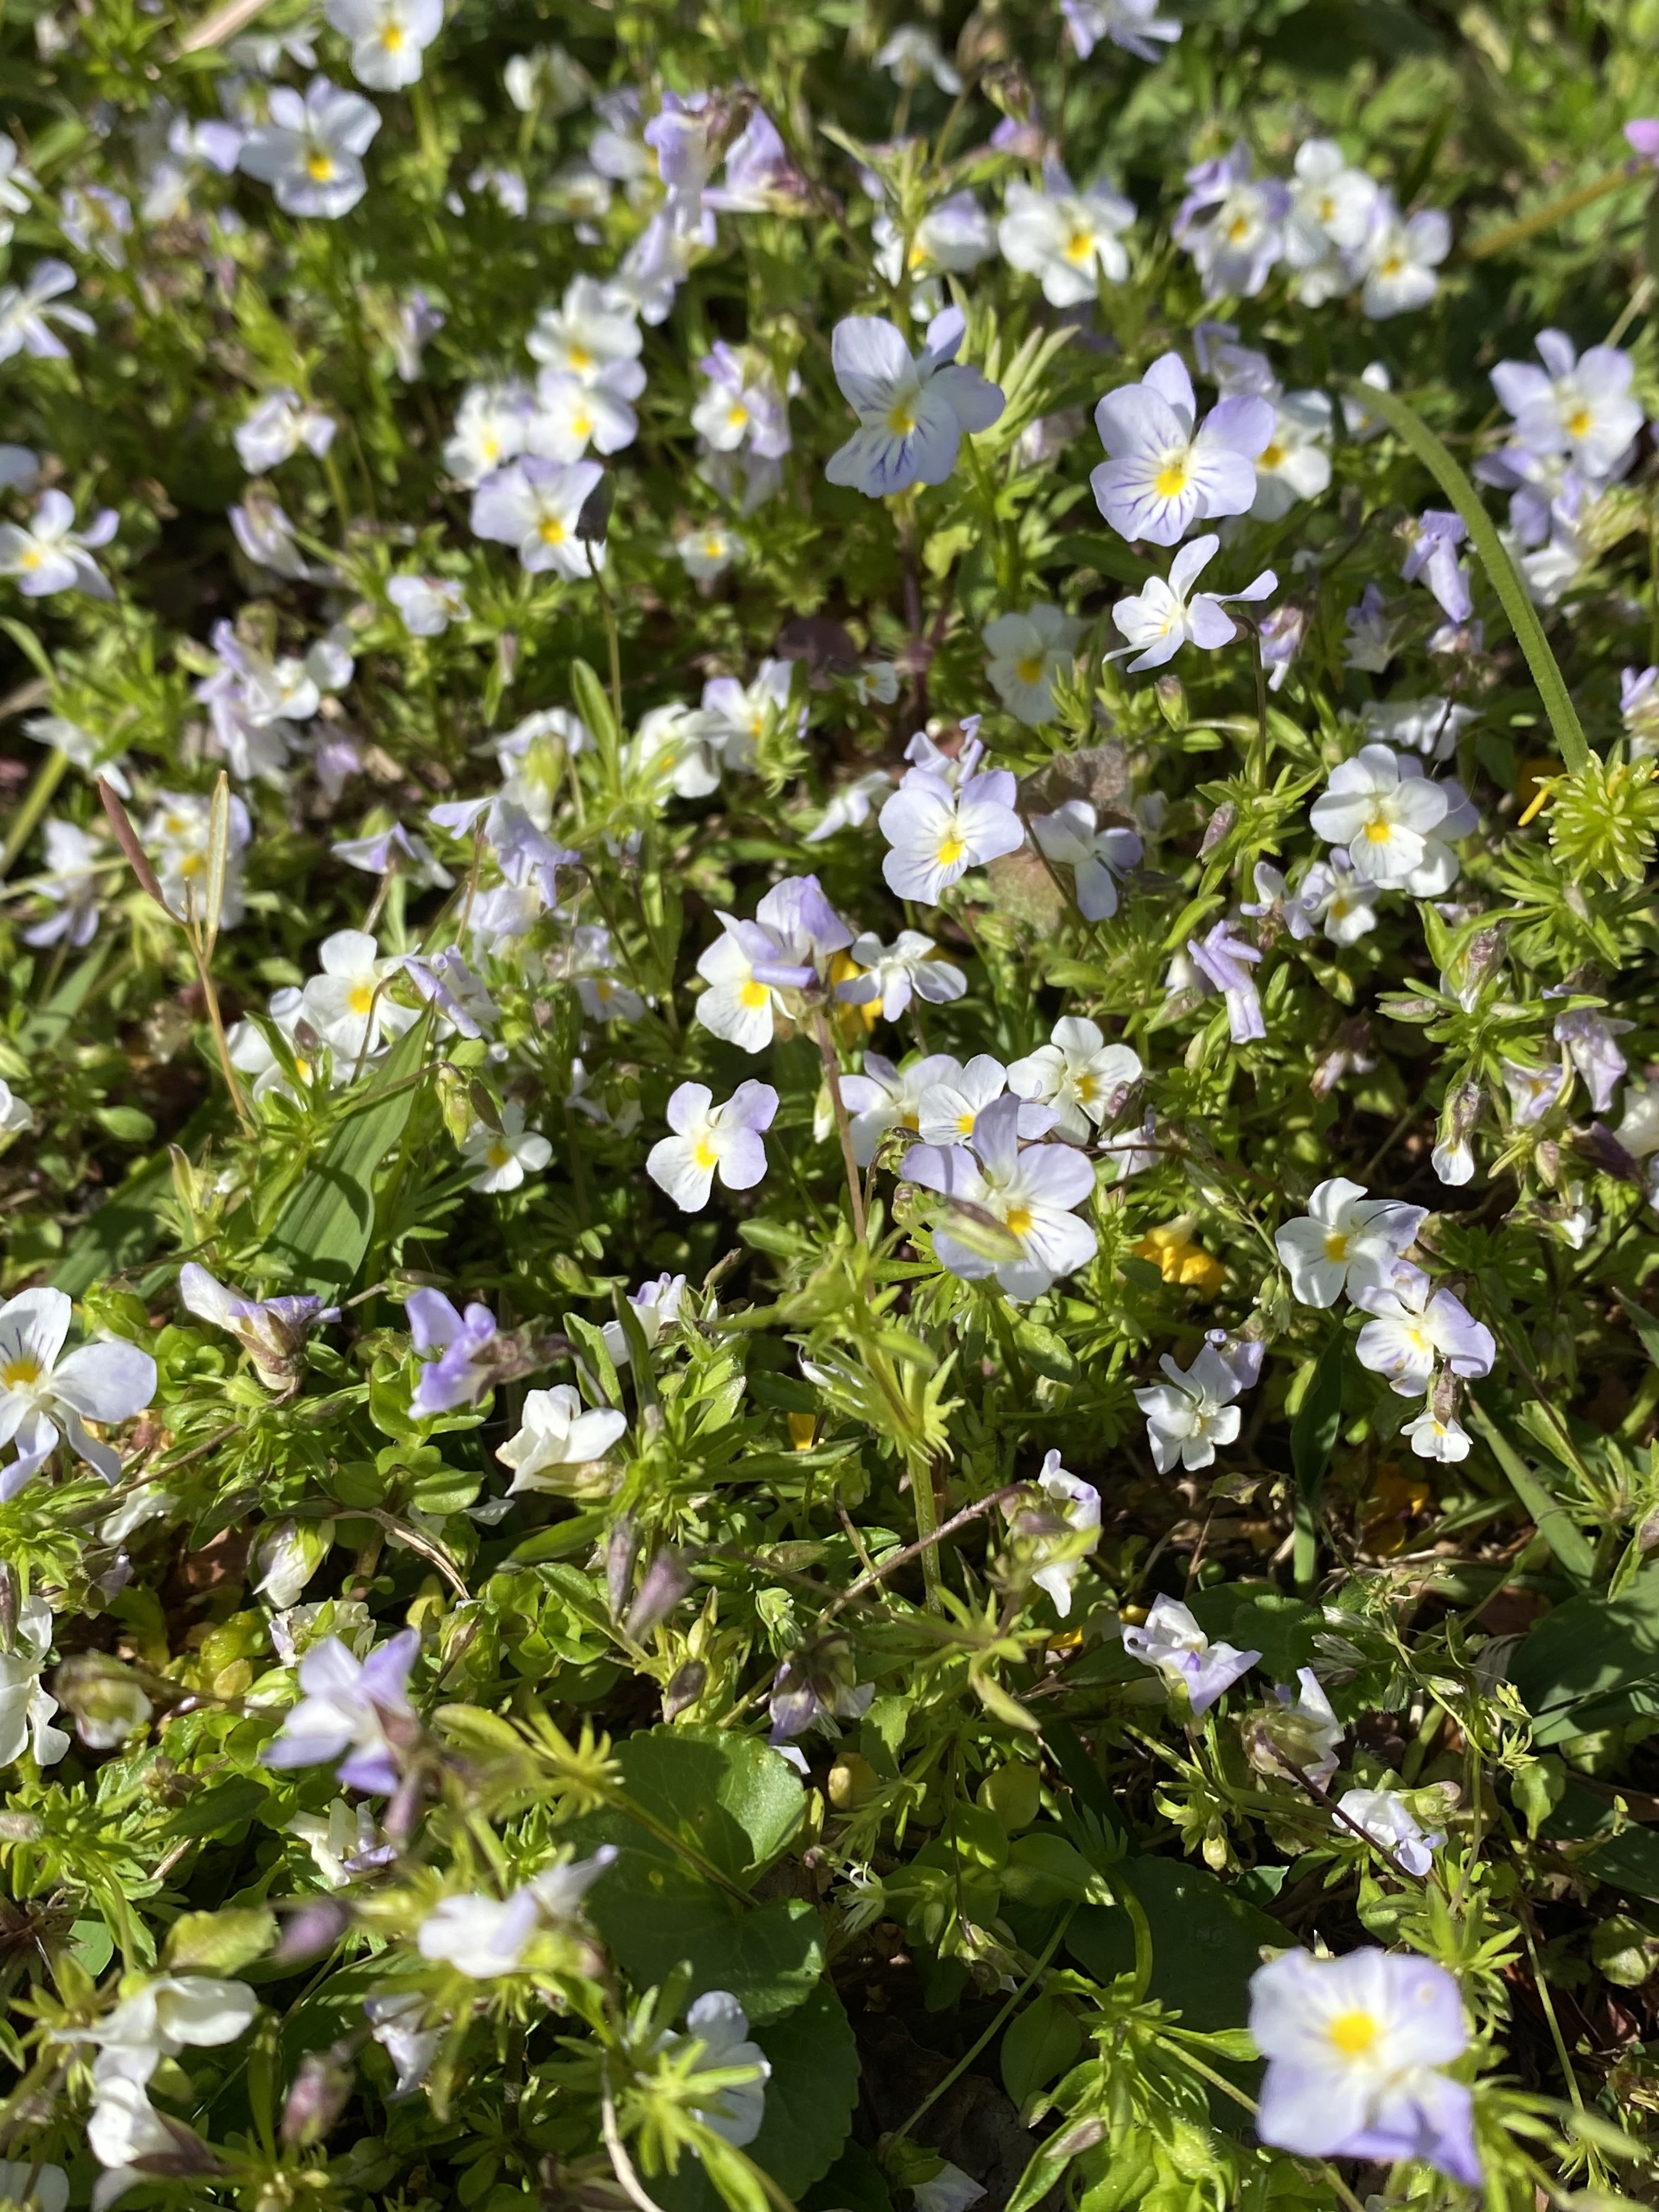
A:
(1019, 1218)
(951, 847)
(319, 167)
(361, 999)
(581, 426)
(737, 413)
(902, 418)
(18, 1374)
(1378, 830)
(1336, 1245)
(965, 1125)
(1391, 264)
(1579, 422)
(705, 1155)
(1079, 245)
(1239, 229)
(1086, 1087)
(1353, 2033)
(1271, 455)
(392, 37)
(30, 559)
(753, 994)
(498, 1154)
(190, 865)
(1030, 670)
(1171, 479)
(578, 356)
(550, 530)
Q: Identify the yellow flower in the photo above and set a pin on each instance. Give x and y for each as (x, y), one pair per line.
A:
(851, 1020)
(1178, 1259)
(803, 1427)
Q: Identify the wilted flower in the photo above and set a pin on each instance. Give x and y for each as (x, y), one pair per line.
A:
(271, 1331)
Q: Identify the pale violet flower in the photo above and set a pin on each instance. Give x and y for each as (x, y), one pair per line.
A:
(428, 605)
(1077, 1504)
(1398, 260)
(952, 1103)
(1354, 2048)
(912, 54)
(707, 550)
(44, 1396)
(850, 807)
(1332, 209)
(344, 1706)
(502, 1158)
(395, 848)
(535, 505)
(1192, 1413)
(656, 1307)
(1171, 1640)
(1588, 1038)
(1069, 239)
(708, 1139)
(1070, 838)
(1388, 1821)
(485, 1938)
(389, 38)
(735, 717)
(1412, 1326)
(1134, 25)
(1382, 808)
(271, 1331)
(1158, 621)
(720, 2025)
(26, 1707)
(1027, 652)
(310, 150)
(955, 235)
(912, 411)
(1084, 1079)
(49, 555)
(1294, 464)
(1003, 1195)
(27, 314)
(1579, 405)
(1232, 224)
(278, 426)
(884, 1098)
(1224, 960)
(893, 974)
(937, 833)
(555, 1432)
(1346, 1241)
(752, 965)
(1165, 471)
(463, 1368)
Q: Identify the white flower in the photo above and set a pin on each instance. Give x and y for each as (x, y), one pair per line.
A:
(1097, 857)
(15, 1115)
(893, 974)
(169, 2014)
(1578, 405)
(504, 1157)
(428, 605)
(555, 1432)
(1160, 620)
(1385, 810)
(1003, 1196)
(735, 717)
(276, 429)
(850, 807)
(309, 150)
(912, 411)
(1027, 652)
(1388, 1820)
(949, 2189)
(25, 1709)
(1069, 239)
(1332, 209)
(575, 412)
(1166, 470)
(953, 1102)
(492, 425)
(348, 1004)
(719, 2024)
(1191, 1413)
(656, 1306)
(17, 183)
(96, 220)
(49, 555)
(1345, 1242)
(886, 1097)
(954, 234)
(707, 1138)
(26, 319)
(1078, 1073)
(41, 1396)
(912, 53)
(1436, 1437)
(1171, 1640)
(937, 833)
(1412, 1326)
(1078, 1505)
(1321, 1731)
(485, 1937)
(707, 550)
(389, 38)
(535, 504)
(1398, 260)
(336, 1838)
(1296, 461)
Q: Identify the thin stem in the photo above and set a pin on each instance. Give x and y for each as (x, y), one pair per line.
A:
(1554, 211)
(221, 1042)
(48, 777)
(843, 1124)
(621, 2164)
(974, 2050)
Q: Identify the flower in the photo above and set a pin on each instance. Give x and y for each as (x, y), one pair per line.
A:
(271, 1331)
(1084, 1080)
(707, 550)
(485, 1938)
(1296, 461)
(1027, 652)
(573, 412)
(1171, 1640)
(937, 833)
(278, 427)
(1232, 227)
(735, 717)
(850, 805)
(1170, 1247)
(309, 150)
(1011, 1214)
(1354, 2048)
(42, 1397)
(461, 1373)
(428, 605)
(1388, 1820)
(893, 974)
(1331, 212)
(50, 555)
(1412, 1326)
(395, 848)
(754, 963)
(503, 1157)
(912, 53)
(347, 1005)
(950, 2190)
(169, 2014)
(953, 1102)
(1577, 405)
(886, 1097)
(27, 2181)
(719, 2025)
(1385, 810)
(1226, 960)
(1345, 1242)
(1398, 260)
(535, 505)
(1191, 1413)
(15, 1113)
(389, 39)
(1078, 1505)
(1305, 1732)
(912, 411)
(17, 183)
(1437, 1436)
(1165, 471)
(657, 1306)
(955, 235)
(96, 220)
(1070, 838)
(26, 319)
(1432, 554)
(555, 1432)
(709, 1138)
(344, 1707)
(69, 886)
(1069, 239)
(1133, 25)
(1160, 620)
(26, 1708)
(1588, 1038)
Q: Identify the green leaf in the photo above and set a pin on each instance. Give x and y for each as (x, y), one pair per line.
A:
(124, 1229)
(1206, 1941)
(1043, 1869)
(219, 1943)
(1255, 1617)
(1318, 1420)
(1407, 423)
(1592, 1662)
(730, 1797)
(1551, 1518)
(1042, 2043)
(654, 1915)
(1645, 1324)
(217, 1810)
(324, 1229)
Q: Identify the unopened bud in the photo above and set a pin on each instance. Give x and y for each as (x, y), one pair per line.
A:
(666, 1581)
(1218, 826)
(621, 1550)
(687, 1685)
(317, 1927)
(1171, 696)
(321, 2091)
(286, 1555)
(403, 1814)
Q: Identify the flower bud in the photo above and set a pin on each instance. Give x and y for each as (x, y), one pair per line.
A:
(317, 1927)
(666, 1581)
(1171, 696)
(320, 2092)
(104, 1699)
(287, 1553)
